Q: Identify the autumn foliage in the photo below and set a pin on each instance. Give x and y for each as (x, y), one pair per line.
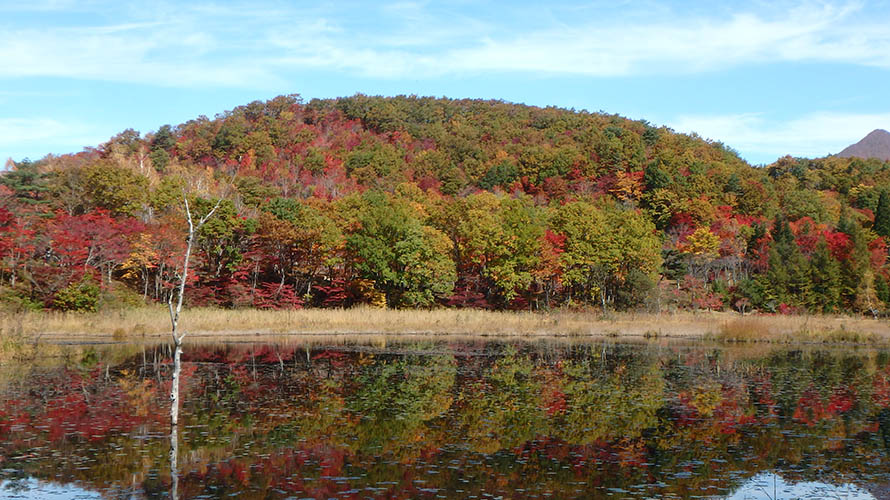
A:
(422, 202)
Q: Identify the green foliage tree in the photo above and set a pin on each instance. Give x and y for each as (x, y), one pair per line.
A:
(655, 177)
(882, 215)
(789, 272)
(222, 240)
(119, 190)
(603, 245)
(159, 159)
(163, 139)
(855, 266)
(371, 162)
(26, 181)
(825, 274)
(254, 192)
(78, 296)
(409, 262)
(501, 174)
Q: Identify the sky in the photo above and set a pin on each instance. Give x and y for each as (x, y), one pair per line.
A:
(805, 78)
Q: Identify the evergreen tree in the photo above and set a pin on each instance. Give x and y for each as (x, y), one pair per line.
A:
(788, 273)
(854, 267)
(759, 231)
(882, 289)
(825, 275)
(655, 177)
(882, 215)
(27, 182)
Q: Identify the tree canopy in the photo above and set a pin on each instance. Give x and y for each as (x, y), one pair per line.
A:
(422, 202)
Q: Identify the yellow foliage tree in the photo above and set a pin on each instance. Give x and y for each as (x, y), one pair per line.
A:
(702, 243)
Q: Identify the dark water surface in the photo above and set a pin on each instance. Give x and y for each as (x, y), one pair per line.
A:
(450, 420)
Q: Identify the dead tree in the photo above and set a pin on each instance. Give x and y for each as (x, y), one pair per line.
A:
(179, 292)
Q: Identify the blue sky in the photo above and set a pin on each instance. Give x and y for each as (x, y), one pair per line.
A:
(804, 78)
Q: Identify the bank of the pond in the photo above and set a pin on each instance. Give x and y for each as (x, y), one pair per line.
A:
(153, 322)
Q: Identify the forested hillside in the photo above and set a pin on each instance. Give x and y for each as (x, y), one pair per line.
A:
(424, 202)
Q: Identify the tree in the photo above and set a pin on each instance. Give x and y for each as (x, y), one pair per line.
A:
(882, 215)
(866, 296)
(855, 264)
(163, 139)
(654, 177)
(407, 261)
(498, 243)
(16, 244)
(826, 278)
(603, 245)
(119, 190)
(94, 240)
(26, 181)
(502, 174)
(179, 292)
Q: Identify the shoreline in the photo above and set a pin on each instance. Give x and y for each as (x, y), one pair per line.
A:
(153, 324)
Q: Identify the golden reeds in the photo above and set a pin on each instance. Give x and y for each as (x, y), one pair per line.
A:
(802, 328)
(154, 323)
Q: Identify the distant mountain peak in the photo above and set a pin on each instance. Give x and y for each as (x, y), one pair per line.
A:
(875, 145)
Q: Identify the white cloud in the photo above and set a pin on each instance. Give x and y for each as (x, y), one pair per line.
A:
(762, 140)
(677, 45)
(137, 53)
(256, 45)
(663, 42)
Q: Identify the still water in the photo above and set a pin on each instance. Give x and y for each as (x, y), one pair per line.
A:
(450, 420)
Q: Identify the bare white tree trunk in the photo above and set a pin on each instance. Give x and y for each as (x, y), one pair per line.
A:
(174, 462)
(179, 292)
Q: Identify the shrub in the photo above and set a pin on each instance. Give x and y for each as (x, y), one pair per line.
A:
(80, 296)
(16, 300)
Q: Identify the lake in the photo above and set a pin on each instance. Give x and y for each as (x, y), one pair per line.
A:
(450, 419)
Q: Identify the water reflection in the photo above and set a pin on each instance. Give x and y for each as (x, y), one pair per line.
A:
(767, 486)
(455, 420)
(32, 489)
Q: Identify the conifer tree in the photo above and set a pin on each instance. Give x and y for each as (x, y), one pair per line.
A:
(882, 215)
(882, 289)
(825, 275)
(854, 267)
(787, 274)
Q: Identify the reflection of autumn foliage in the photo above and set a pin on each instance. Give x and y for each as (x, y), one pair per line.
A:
(881, 389)
(552, 396)
(812, 408)
(80, 406)
(421, 420)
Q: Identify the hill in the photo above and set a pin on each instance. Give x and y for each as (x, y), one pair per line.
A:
(874, 145)
(431, 202)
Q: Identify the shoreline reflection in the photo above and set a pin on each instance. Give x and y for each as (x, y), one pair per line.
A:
(454, 419)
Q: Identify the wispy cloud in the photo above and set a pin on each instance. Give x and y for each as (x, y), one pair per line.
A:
(677, 45)
(662, 43)
(260, 45)
(136, 53)
(762, 140)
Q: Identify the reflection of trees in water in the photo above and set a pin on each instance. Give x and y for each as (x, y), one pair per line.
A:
(485, 418)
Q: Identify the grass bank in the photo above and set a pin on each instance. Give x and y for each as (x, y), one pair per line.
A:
(154, 323)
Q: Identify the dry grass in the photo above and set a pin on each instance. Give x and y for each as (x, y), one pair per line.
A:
(153, 323)
(820, 329)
